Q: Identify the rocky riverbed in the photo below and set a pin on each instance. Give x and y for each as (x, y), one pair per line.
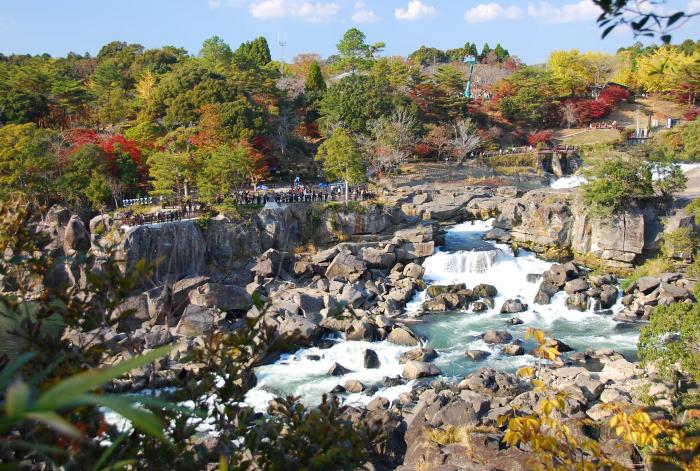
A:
(416, 321)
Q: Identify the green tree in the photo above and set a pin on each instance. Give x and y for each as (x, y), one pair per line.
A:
(170, 173)
(353, 101)
(428, 56)
(485, 51)
(616, 185)
(342, 159)
(216, 54)
(222, 169)
(255, 53)
(353, 53)
(314, 82)
(26, 162)
(84, 177)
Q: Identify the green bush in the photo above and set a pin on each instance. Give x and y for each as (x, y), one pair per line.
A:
(673, 336)
(680, 243)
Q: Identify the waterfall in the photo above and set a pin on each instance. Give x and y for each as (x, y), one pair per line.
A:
(465, 261)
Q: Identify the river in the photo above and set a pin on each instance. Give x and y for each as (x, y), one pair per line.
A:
(464, 258)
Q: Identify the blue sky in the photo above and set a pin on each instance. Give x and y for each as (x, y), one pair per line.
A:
(529, 29)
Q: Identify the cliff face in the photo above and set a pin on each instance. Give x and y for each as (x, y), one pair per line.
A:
(226, 249)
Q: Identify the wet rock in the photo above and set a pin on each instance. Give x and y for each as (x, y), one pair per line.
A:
(533, 277)
(337, 369)
(513, 306)
(485, 291)
(561, 346)
(413, 270)
(419, 369)
(608, 296)
(361, 330)
(378, 403)
(513, 349)
(497, 337)
(354, 386)
(479, 306)
(556, 275)
(576, 286)
(389, 382)
(371, 359)
(446, 302)
(436, 290)
(403, 336)
(418, 354)
(515, 321)
(298, 331)
(577, 301)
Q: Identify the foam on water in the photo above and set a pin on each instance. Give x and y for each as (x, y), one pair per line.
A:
(572, 181)
(465, 259)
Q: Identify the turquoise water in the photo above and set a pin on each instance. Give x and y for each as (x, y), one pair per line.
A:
(465, 258)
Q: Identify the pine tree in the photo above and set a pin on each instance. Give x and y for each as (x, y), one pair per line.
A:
(314, 79)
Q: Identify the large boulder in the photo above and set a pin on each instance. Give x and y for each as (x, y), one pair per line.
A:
(403, 336)
(513, 306)
(223, 297)
(346, 266)
(272, 263)
(377, 258)
(419, 369)
(76, 237)
(545, 292)
(131, 313)
(418, 354)
(371, 359)
(196, 320)
(497, 336)
(361, 330)
(298, 331)
(578, 302)
(477, 355)
(484, 291)
(608, 296)
(576, 286)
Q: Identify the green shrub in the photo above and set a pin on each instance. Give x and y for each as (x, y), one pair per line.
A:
(673, 336)
(680, 243)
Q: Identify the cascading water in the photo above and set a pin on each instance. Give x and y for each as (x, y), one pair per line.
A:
(472, 261)
(467, 259)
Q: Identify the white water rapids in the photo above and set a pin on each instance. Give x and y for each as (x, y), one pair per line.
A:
(464, 259)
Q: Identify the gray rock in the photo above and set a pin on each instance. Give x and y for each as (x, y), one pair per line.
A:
(576, 286)
(647, 284)
(325, 255)
(513, 306)
(361, 330)
(371, 360)
(299, 331)
(377, 258)
(479, 306)
(347, 267)
(477, 355)
(513, 349)
(354, 386)
(556, 275)
(337, 369)
(223, 297)
(403, 336)
(131, 313)
(419, 369)
(577, 301)
(485, 291)
(418, 354)
(76, 237)
(196, 320)
(608, 296)
(413, 270)
(497, 336)
(672, 291)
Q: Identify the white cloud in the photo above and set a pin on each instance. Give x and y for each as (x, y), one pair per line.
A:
(363, 14)
(486, 12)
(584, 10)
(315, 12)
(693, 7)
(415, 11)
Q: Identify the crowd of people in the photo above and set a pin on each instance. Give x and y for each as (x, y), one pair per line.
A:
(302, 194)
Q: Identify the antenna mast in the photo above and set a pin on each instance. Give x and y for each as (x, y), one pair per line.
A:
(282, 42)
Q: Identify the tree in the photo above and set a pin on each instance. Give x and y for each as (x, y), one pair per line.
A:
(84, 178)
(616, 185)
(485, 51)
(255, 53)
(465, 139)
(427, 56)
(171, 173)
(569, 71)
(222, 169)
(353, 53)
(353, 101)
(26, 164)
(216, 54)
(600, 68)
(529, 97)
(391, 139)
(314, 82)
(342, 159)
